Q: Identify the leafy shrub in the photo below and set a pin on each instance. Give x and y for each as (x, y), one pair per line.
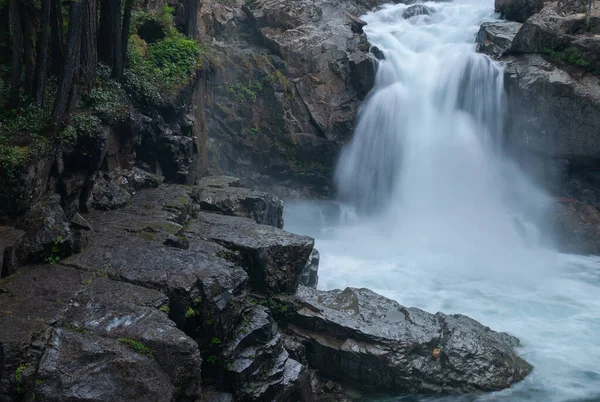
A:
(108, 102)
(82, 125)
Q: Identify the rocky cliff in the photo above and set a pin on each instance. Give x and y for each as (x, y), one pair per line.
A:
(193, 293)
(553, 97)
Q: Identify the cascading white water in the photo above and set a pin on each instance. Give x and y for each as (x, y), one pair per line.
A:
(445, 221)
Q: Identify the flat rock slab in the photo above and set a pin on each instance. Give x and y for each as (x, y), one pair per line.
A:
(495, 38)
(356, 335)
(263, 208)
(273, 258)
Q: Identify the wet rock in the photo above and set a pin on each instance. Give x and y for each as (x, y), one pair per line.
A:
(416, 10)
(10, 243)
(369, 341)
(378, 53)
(362, 73)
(310, 274)
(273, 258)
(495, 38)
(263, 208)
(17, 194)
(177, 242)
(130, 314)
(518, 10)
(109, 193)
(79, 367)
(542, 95)
(80, 222)
(356, 23)
(219, 182)
(48, 233)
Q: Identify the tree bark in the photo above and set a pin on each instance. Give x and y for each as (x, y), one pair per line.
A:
(117, 41)
(17, 53)
(42, 53)
(29, 17)
(125, 35)
(105, 32)
(89, 54)
(65, 94)
(57, 53)
(4, 35)
(588, 15)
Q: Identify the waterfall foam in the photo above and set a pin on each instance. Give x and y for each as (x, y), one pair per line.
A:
(445, 221)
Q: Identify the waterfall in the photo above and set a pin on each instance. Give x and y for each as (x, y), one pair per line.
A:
(426, 157)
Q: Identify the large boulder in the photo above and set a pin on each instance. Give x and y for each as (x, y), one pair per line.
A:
(263, 208)
(495, 38)
(518, 10)
(577, 226)
(10, 243)
(273, 258)
(371, 342)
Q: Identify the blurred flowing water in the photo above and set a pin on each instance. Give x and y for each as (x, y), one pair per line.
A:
(432, 213)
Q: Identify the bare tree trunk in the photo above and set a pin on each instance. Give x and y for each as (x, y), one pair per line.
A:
(89, 54)
(57, 53)
(105, 33)
(17, 53)
(28, 22)
(65, 94)
(117, 41)
(588, 16)
(125, 36)
(4, 35)
(42, 54)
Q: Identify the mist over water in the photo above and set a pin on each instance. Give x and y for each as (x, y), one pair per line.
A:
(432, 213)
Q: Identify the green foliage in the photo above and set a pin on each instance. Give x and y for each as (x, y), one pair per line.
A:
(190, 312)
(215, 342)
(18, 376)
(570, 56)
(165, 308)
(245, 93)
(253, 131)
(212, 360)
(164, 17)
(82, 125)
(12, 158)
(169, 64)
(142, 86)
(108, 102)
(54, 256)
(137, 346)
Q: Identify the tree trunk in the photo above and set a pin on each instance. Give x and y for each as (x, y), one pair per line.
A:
(118, 45)
(17, 53)
(4, 35)
(65, 96)
(29, 17)
(57, 53)
(588, 14)
(89, 54)
(191, 26)
(42, 54)
(125, 35)
(105, 32)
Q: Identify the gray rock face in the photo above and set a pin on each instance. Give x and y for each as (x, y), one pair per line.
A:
(79, 367)
(495, 38)
(310, 274)
(518, 10)
(541, 96)
(360, 337)
(48, 231)
(263, 208)
(10, 243)
(577, 226)
(274, 259)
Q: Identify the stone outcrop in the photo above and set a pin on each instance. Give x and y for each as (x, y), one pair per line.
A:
(496, 38)
(134, 311)
(287, 88)
(518, 10)
(551, 81)
(358, 337)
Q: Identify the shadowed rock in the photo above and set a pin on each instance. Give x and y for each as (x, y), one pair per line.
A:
(495, 38)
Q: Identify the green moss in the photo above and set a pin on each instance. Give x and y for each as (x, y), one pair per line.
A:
(245, 93)
(165, 308)
(570, 56)
(137, 346)
(215, 342)
(190, 312)
(146, 235)
(108, 102)
(212, 360)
